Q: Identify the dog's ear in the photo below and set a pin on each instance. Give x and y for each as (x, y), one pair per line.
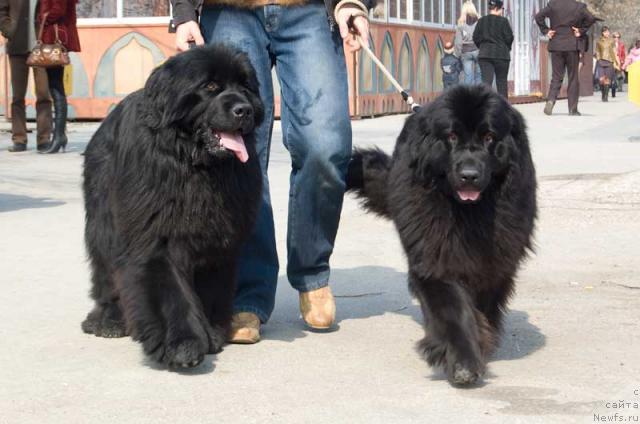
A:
(427, 154)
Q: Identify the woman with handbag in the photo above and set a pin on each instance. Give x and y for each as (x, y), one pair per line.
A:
(57, 19)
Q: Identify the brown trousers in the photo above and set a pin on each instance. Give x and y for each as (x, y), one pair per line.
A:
(19, 78)
(569, 62)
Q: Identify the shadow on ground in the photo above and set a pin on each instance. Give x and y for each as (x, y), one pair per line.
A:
(14, 202)
(371, 291)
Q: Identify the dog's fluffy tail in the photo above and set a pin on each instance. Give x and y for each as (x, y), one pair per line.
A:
(367, 178)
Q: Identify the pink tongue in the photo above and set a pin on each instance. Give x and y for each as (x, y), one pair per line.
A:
(235, 143)
(469, 195)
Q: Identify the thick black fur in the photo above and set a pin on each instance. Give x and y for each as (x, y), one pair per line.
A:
(463, 253)
(167, 207)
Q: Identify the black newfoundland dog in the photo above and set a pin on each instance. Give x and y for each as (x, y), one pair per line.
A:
(172, 186)
(461, 190)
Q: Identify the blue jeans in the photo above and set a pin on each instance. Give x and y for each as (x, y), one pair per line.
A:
(316, 128)
(471, 68)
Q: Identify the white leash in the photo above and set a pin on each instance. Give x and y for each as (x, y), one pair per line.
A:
(405, 96)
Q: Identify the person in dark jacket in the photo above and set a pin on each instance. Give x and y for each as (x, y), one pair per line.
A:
(58, 21)
(304, 40)
(493, 36)
(17, 25)
(451, 66)
(569, 21)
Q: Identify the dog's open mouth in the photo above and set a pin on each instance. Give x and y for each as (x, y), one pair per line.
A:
(468, 196)
(230, 141)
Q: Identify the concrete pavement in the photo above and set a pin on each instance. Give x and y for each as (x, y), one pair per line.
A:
(570, 346)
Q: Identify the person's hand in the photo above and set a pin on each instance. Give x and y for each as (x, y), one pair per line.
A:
(551, 33)
(576, 32)
(360, 26)
(188, 32)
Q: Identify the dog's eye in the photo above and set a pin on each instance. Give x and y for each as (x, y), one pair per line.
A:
(212, 86)
(488, 138)
(452, 138)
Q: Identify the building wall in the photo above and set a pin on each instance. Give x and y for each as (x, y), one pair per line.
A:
(117, 57)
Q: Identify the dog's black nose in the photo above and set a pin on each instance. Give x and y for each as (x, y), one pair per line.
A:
(241, 110)
(469, 175)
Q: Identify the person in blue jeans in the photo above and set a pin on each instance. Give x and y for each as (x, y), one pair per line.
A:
(304, 41)
(465, 48)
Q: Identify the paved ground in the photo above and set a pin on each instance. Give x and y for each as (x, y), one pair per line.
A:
(571, 342)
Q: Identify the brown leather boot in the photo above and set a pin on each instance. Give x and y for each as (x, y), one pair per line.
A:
(318, 308)
(245, 328)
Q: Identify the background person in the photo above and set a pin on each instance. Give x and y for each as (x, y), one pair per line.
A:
(465, 48)
(633, 56)
(63, 14)
(451, 66)
(606, 63)
(569, 20)
(493, 36)
(622, 55)
(17, 26)
(297, 38)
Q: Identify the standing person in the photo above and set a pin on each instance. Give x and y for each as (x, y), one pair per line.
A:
(465, 48)
(58, 20)
(606, 63)
(493, 36)
(633, 56)
(17, 26)
(298, 38)
(569, 20)
(451, 66)
(622, 54)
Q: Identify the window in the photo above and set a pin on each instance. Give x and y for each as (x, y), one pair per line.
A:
(417, 7)
(96, 9)
(436, 11)
(145, 8)
(428, 13)
(393, 8)
(448, 12)
(403, 9)
(151, 11)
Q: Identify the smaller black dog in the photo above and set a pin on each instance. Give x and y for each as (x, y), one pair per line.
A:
(461, 190)
(172, 185)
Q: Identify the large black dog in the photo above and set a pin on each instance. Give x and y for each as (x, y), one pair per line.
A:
(172, 186)
(461, 190)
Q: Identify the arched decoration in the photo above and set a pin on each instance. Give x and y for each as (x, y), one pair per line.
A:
(132, 66)
(386, 57)
(437, 70)
(104, 84)
(405, 64)
(79, 78)
(424, 83)
(368, 82)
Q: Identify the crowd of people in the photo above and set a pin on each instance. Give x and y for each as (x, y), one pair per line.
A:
(481, 50)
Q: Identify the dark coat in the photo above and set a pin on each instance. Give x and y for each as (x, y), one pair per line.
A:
(189, 10)
(14, 25)
(62, 13)
(493, 36)
(564, 14)
(451, 68)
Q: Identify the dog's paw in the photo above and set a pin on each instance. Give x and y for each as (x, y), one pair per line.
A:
(111, 329)
(217, 338)
(433, 351)
(90, 324)
(464, 375)
(105, 322)
(187, 353)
